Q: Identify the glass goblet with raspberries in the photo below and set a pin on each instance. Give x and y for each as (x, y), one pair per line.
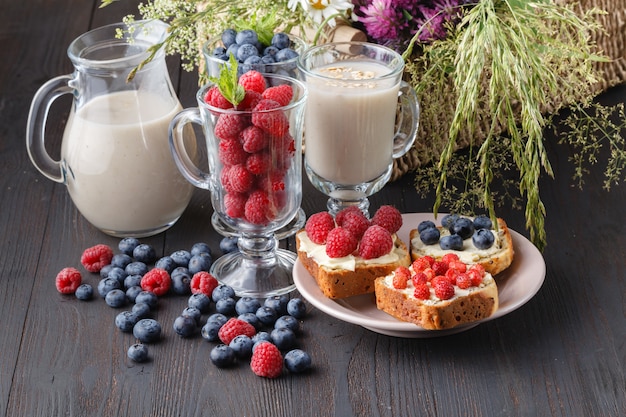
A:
(253, 141)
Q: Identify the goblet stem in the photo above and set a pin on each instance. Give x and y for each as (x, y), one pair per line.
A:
(335, 205)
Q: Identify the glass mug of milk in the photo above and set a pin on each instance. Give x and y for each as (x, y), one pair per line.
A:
(115, 158)
(359, 116)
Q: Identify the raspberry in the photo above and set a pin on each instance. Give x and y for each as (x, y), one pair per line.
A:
(229, 125)
(419, 279)
(463, 281)
(231, 152)
(282, 94)
(401, 277)
(257, 208)
(253, 80)
(440, 267)
(259, 163)
(450, 257)
(376, 242)
(203, 282)
(156, 281)
(67, 280)
(235, 204)
(351, 209)
(355, 222)
(214, 98)
(318, 226)
(458, 266)
(340, 242)
(272, 121)
(267, 360)
(478, 268)
(96, 257)
(475, 277)
(443, 289)
(235, 327)
(451, 275)
(422, 263)
(421, 292)
(430, 273)
(240, 180)
(250, 100)
(388, 217)
(254, 139)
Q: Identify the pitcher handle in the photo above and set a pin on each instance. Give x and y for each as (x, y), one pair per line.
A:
(183, 161)
(36, 126)
(408, 120)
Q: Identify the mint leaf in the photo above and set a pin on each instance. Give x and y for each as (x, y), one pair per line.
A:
(228, 82)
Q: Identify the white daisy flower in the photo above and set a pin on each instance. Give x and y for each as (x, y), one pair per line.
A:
(320, 10)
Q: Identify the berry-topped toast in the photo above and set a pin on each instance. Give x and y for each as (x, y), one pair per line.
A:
(347, 253)
(473, 240)
(438, 295)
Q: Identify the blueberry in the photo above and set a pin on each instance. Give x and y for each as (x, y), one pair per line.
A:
(200, 262)
(271, 51)
(138, 353)
(194, 313)
(222, 291)
(184, 326)
(144, 253)
(181, 281)
(448, 220)
(430, 236)
(288, 322)
(222, 356)
(132, 281)
(232, 50)
(229, 37)
(281, 40)
(463, 227)
(219, 52)
(126, 320)
(107, 284)
(116, 298)
(297, 361)
(132, 292)
(253, 62)
(296, 308)
(483, 239)
(118, 274)
(166, 263)
(278, 303)
(136, 268)
(213, 324)
(261, 337)
(147, 297)
(147, 330)
(225, 306)
(286, 54)
(199, 248)
(141, 310)
(229, 244)
(283, 338)
(128, 245)
(200, 301)
(217, 318)
(121, 260)
(482, 222)
(104, 272)
(252, 319)
(181, 257)
(245, 51)
(451, 242)
(242, 346)
(247, 305)
(246, 36)
(425, 225)
(267, 315)
(84, 292)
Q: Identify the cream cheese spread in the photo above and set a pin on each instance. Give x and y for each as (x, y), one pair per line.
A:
(469, 254)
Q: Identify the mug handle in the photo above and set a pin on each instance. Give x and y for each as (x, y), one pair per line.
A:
(183, 161)
(36, 127)
(408, 120)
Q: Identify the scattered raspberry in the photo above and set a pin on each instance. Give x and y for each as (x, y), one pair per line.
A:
(214, 98)
(422, 263)
(443, 289)
(229, 125)
(340, 242)
(235, 327)
(463, 281)
(282, 94)
(250, 100)
(376, 242)
(96, 257)
(203, 282)
(231, 152)
(401, 277)
(318, 226)
(355, 222)
(240, 180)
(266, 360)
(257, 208)
(253, 80)
(439, 267)
(259, 163)
(67, 280)
(235, 204)
(388, 217)
(421, 292)
(342, 213)
(156, 281)
(272, 121)
(254, 139)
(419, 278)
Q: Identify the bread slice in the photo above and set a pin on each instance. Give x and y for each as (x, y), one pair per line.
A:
(495, 259)
(352, 275)
(466, 306)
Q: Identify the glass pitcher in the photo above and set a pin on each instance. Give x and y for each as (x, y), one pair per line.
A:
(115, 158)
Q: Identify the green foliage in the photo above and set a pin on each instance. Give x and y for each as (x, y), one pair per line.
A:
(228, 82)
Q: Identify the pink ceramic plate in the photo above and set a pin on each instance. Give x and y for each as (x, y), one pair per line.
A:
(516, 285)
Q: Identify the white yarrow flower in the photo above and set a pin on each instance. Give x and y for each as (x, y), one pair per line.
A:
(320, 10)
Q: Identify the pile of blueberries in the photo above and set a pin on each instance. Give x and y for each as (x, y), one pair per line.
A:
(460, 228)
(279, 57)
(276, 319)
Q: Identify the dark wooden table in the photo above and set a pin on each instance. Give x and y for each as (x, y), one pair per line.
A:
(561, 354)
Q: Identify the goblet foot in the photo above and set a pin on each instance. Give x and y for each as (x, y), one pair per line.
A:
(284, 232)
